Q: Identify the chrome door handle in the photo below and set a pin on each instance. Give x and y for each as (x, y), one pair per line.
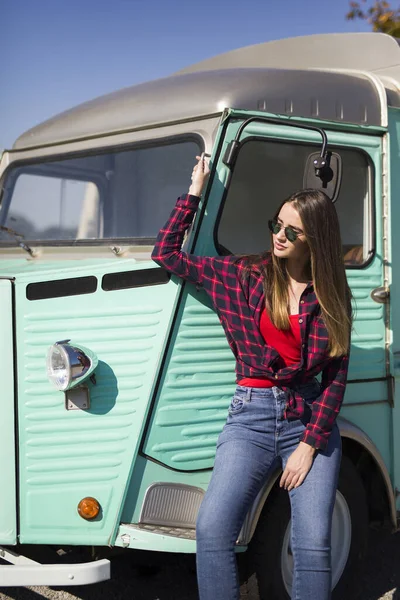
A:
(380, 295)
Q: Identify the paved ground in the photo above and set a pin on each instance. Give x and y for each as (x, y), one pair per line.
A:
(175, 578)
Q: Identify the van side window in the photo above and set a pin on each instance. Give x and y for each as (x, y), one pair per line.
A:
(266, 172)
(117, 195)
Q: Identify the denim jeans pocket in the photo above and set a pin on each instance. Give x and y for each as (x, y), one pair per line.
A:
(236, 405)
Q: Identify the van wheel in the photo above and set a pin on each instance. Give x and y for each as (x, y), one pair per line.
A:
(269, 559)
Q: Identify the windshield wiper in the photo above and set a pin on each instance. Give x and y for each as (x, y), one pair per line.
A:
(18, 237)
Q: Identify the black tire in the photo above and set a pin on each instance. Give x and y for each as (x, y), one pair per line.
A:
(263, 558)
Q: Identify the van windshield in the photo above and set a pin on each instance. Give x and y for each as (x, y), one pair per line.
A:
(124, 195)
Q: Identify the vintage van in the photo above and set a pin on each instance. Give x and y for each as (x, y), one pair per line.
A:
(116, 377)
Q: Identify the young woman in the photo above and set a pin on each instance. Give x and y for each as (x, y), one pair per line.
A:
(287, 317)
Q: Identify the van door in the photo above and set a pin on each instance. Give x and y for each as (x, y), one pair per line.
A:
(198, 377)
(8, 512)
(394, 211)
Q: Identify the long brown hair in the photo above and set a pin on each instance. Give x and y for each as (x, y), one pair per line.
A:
(326, 269)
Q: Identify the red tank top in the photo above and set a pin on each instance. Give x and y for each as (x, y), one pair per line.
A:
(286, 343)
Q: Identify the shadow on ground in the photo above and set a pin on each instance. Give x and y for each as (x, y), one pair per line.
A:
(172, 577)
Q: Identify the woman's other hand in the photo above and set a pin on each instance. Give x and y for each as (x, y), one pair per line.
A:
(200, 175)
(298, 465)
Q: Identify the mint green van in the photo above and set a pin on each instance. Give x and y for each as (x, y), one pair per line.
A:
(116, 376)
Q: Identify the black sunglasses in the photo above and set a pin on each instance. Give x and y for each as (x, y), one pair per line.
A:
(290, 233)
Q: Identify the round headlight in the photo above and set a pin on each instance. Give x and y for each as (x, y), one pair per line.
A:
(58, 367)
(68, 366)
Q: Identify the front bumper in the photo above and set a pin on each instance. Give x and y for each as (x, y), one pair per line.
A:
(23, 571)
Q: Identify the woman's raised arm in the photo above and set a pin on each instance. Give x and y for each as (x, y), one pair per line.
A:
(167, 251)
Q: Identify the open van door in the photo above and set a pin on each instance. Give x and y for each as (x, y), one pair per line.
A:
(270, 164)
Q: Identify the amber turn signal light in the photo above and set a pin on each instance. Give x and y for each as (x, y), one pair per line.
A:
(88, 508)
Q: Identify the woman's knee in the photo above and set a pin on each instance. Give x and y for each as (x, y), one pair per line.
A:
(214, 526)
(312, 557)
(311, 539)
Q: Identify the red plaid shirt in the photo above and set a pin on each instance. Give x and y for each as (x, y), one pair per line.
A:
(238, 302)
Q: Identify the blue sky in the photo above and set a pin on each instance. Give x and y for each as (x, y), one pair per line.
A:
(59, 53)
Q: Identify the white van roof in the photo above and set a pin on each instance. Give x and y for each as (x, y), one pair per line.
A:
(349, 78)
(376, 53)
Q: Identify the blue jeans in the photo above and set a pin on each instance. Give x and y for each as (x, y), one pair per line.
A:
(254, 437)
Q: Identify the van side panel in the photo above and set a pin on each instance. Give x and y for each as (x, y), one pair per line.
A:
(8, 515)
(66, 455)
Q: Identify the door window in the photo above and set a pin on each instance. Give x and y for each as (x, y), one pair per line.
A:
(266, 172)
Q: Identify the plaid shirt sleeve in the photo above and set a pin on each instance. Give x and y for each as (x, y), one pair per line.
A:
(326, 408)
(206, 271)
